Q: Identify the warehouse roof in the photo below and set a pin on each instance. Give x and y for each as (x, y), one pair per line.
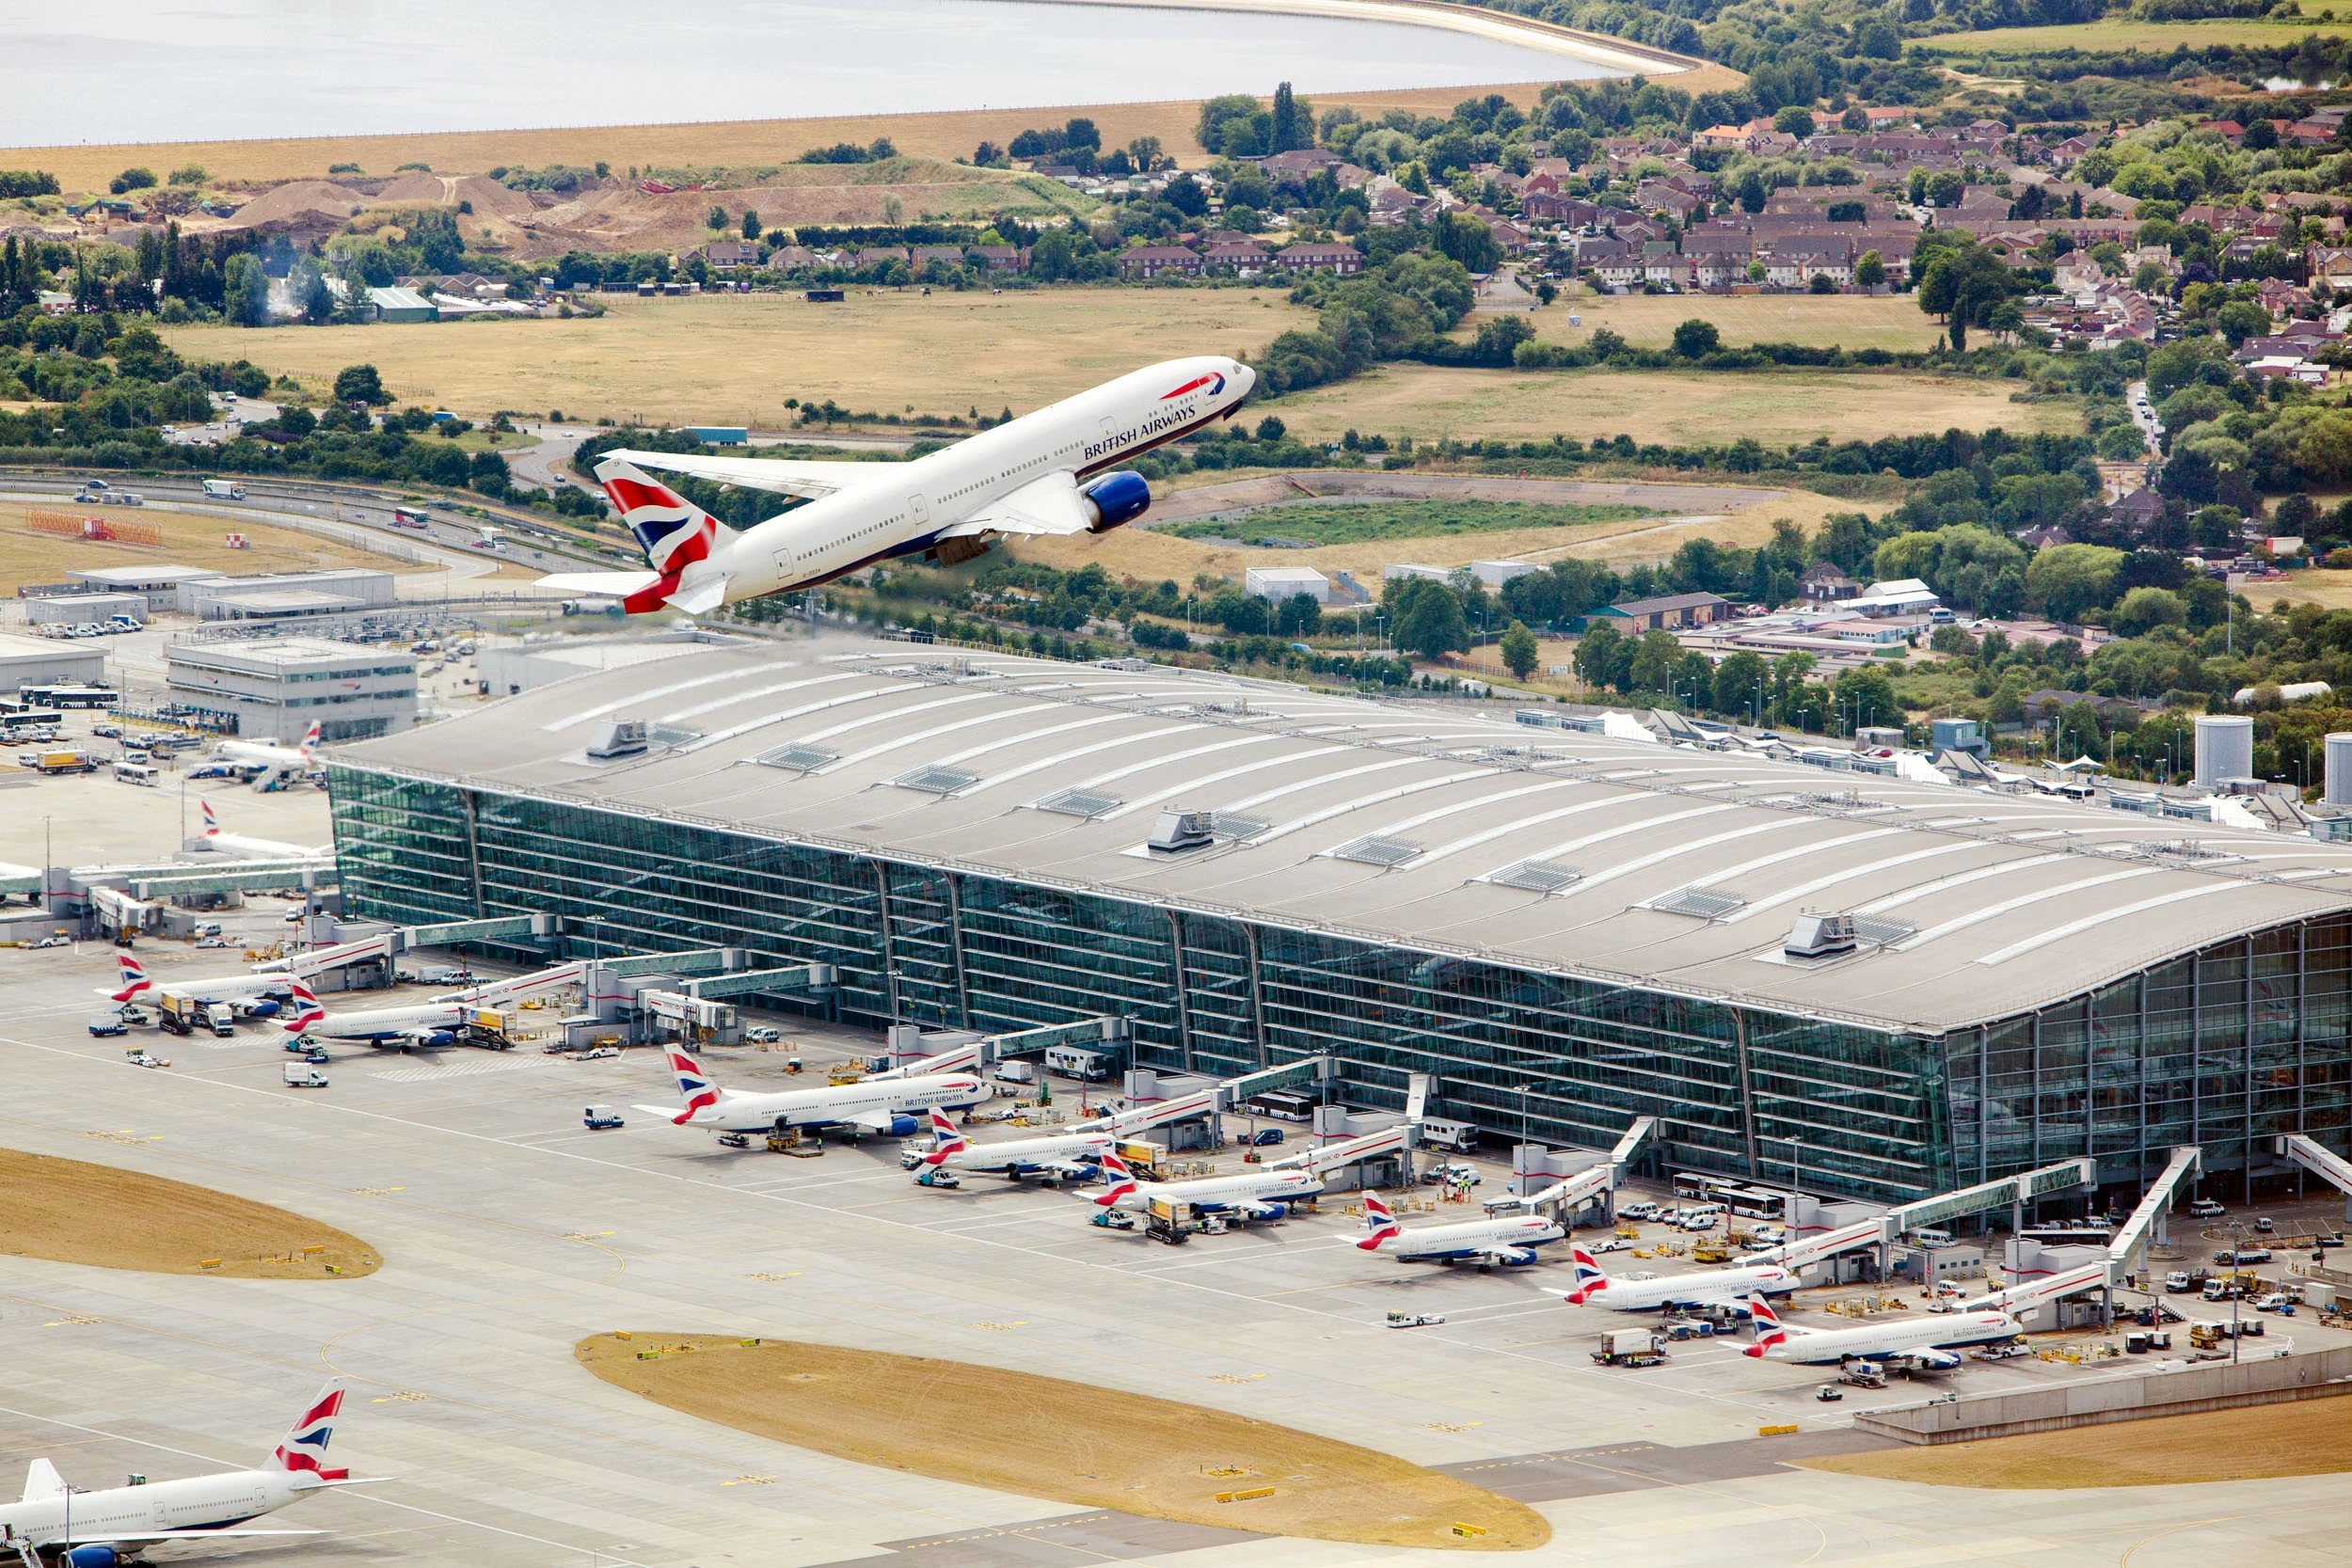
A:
(1667, 866)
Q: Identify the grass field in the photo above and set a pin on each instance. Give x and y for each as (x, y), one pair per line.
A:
(1351, 524)
(2115, 35)
(1073, 1442)
(69, 1211)
(1668, 407)
(189, 540)
(734, 358)
(713, 144)
(2311, 1437)
(1648, 321)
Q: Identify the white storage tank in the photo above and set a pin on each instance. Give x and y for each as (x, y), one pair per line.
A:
(2225, 749)
(2338, 771)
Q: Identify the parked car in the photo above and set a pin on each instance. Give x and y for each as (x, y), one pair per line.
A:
(1264, 1135)
(762, 1035)
(594, 1053)
(1640, 1209)
(213, 942)
(2206, 1209)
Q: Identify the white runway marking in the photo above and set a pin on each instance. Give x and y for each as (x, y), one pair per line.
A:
(434, 1074)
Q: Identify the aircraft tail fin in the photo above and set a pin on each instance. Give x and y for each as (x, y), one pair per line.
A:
(1768, 1329)
(1118, 1180)
(307, 1011)
(309, 744)
(672, 530)
(212, 822)
(132, 975)
(945, 1140)
(41, 1481)
(1590, 1277)
(303, 1448)
(1380, 1220)
(698, 1091)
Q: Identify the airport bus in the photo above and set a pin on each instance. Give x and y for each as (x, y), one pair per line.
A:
(15, 720)
(406, 517)
(67, 696)
(1754, 1203)
(135, 773)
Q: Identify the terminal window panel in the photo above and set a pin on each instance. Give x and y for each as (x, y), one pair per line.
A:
(399, 848)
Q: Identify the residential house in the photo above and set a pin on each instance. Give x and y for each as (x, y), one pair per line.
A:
(2330, 265)
(875, 256)
(1299, 163)
(1151, 260)
(2044, 538)
(1512, 237)
(2136, 511)
(727, 255)
(946, 255)
(1552, 206)
(1245, 258)
(1663, 264)
(996, 258)
(1345, 260)
(1823, 583)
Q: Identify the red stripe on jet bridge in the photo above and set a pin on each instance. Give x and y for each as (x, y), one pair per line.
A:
(631, 494)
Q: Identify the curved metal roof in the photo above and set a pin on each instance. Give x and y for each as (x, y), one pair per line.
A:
(1667, 866)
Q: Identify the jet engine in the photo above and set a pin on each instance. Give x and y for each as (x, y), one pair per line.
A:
(438, 1039)
(902, 1127)
(89, 1556)
(1116, 499)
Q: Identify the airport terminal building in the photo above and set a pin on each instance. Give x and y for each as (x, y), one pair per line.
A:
(1569, 930)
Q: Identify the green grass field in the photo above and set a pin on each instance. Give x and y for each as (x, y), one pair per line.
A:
(2114, 34)
(1310, 524)
(1648, 321)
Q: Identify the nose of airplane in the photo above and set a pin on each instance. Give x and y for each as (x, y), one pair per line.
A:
(1248, 377)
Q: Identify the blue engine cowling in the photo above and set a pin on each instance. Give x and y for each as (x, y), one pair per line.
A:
(440, 1038)
(1116, 499)
(90, 1557)
(262, 1009)
(1272, 1211)
(903, 1126)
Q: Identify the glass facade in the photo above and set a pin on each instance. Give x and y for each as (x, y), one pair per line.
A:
(2244, 1039)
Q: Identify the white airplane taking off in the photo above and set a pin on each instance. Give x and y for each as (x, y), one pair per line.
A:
(1035, 475)
(116, 1524)
(1510, 1240)
(1928, 1342)
(1065, 1154)
(1731, 1287)
(1261, 1195)
(877, 1107)
(255, 848)
(270, 761)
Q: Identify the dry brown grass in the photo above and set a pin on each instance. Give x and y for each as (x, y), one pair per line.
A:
(71, 1212)
(189, 540)
(1073, 1442)
(733, 359)
(2312, 1437)
(1648, 321)
(741, 143)
(1676, 409)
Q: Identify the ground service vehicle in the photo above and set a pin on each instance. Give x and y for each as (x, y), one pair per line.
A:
(1628, 1347)
(597, 1117)
(1075, 1062)
(2243, 1254)
(1459, 1136)
(107, 1023)
(2206, 1209)
(304, 1075)
(762, 1035)
(1280, 1105)
(223, 489)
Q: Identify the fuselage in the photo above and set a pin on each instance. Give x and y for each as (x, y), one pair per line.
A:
(264, 849)
(1025, 1154)
(1946, 1331)
(200, 1502)
(1728, 1286)
(1226, 1192)
(1445, 1243)
(386, 1023)
(905, 508)
(830, 1106)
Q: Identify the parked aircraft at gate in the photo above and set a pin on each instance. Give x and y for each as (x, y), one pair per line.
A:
(1035, 475)
(1708, 1288)
(1511, 1239)
(1261, 1195)
(1927, 1342)
(1065, 1154)
(879, 1106)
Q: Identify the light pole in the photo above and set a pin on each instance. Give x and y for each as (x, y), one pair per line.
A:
(1525, 1174)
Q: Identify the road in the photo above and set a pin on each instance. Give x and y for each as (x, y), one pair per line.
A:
(2144, 416)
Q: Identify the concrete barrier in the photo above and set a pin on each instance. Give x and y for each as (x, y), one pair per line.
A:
(2099, 1401)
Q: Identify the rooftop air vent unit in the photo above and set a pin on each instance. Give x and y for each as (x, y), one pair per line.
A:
(1820, 936)
(1088, 803)
(934, 779)
(1378, 849)
(797, 758)
(1178, 830)
(617, 737)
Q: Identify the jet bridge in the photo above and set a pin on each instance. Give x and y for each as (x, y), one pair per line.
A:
(2153, 1205)
(2329, 1166)
(250, 877)
(796, 978)
(1880, 1230)
(1572, 1193)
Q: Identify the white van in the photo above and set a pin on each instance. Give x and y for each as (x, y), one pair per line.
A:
(225, 489)
(302, 1075)
(1075, 1062)
(1930, 1238)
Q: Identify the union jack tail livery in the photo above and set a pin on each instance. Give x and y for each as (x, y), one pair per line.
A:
(133, 978)
(699, 1092)
(1121, 1180)
(1382, 1222)
(305, 1447)
(1590, 1280)
(1768, 1331)
(309, 740)
(672, 532)
(307, 1011)
(945, 1140)
(211, 823)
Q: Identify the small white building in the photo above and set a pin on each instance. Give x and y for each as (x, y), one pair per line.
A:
(1900, 596)
(1278, 583)
(75, 608)
(276, 687)
(332, 591)
(160, 585)
(43, 660)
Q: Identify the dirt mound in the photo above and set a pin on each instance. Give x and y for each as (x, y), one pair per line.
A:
(71, 1212)
(488, 198)
(301, 201)
(1072, 1442)
(2311, 1437)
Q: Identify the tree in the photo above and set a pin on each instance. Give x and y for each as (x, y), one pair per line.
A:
(2241, 319)
(1469, 240)
(750, 223)
(1870, 270)
(718, 218)
(1289, 133)
(1270, 429)
(2143, 609)
(1962, 284)
(1520, 652)
(360, 384)
(1696, 339)
(1741, 685)
(244, 290)
(2067, 581)
(1793, 119)
(1429, 620)
(988, 155)
(1596, 654)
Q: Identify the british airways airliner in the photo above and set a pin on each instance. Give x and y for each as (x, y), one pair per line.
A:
(1053, 471)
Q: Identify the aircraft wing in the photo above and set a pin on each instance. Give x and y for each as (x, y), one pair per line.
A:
(1068, 1167)
(1507, 1257)
(875, 1121)
(1047, 505)
(616, 585)
(1927, 1358)
(794, 476)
